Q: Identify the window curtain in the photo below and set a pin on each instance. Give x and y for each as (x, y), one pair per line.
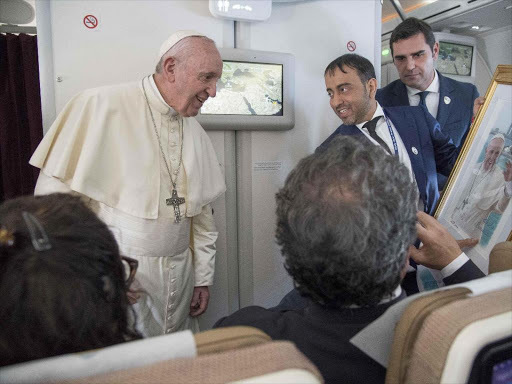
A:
(21, 127)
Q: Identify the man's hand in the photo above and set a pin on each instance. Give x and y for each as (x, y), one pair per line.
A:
(199, 301)
(134, 292)
(133, 297)
(467, 243)
(479, 101)
(439, 247)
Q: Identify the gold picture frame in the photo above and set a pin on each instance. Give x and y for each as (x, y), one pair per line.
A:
(473, 203)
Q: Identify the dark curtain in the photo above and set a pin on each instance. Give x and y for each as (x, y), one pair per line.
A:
(21, 127)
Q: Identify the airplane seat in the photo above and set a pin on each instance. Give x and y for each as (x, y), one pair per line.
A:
(448, 336)
(271, 362)
(220, 355)
(500, 258)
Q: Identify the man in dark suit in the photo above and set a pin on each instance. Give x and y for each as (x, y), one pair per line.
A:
(346, 219)
(410, 133)
(414, 50)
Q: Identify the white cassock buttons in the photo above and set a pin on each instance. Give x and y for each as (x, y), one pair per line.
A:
(447, 100)
(414, 150)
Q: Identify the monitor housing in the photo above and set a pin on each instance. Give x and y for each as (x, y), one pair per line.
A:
(457, 56)
(256, 92)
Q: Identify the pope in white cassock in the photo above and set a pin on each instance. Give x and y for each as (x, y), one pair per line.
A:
(148, 169)
(488, 190)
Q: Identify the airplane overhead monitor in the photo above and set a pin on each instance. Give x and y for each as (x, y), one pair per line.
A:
(455, 59)
(255, 92)
(456, 56)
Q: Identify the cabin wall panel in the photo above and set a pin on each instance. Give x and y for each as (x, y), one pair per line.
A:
(495, 47)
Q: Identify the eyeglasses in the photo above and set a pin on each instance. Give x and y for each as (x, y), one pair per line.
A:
(130, 268)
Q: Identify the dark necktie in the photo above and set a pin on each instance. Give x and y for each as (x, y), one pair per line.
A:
(370, 126)
(423, 96)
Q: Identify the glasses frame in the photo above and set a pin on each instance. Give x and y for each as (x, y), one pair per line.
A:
(133, 264)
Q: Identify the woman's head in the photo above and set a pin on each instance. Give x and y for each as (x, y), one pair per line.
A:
(62, 282)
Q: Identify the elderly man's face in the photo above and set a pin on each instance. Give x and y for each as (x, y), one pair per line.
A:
(349, 97)
(196, 78)
(492, 152)
(414, 61)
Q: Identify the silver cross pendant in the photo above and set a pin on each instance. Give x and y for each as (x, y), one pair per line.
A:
(175, 201)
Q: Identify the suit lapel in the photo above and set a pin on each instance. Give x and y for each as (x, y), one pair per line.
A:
(400, 94)
(350, 130)
(445, 90)
(408, 131)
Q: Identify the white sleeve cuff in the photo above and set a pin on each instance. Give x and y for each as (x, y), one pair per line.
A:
(454, 266)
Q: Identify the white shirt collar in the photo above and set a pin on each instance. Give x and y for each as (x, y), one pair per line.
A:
(396, 293)
(378, 112)
(172, 112)
(432, 88)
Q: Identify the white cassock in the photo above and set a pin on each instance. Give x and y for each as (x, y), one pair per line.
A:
(103, 146)
(485, 192)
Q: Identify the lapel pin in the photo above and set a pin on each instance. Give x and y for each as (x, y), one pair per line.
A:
(414, 150)
(447, 100)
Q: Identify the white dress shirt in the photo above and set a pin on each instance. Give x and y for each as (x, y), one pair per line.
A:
(432, 99)
(382, 131)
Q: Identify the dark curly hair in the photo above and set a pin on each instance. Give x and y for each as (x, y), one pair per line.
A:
(69, 298)
(345, 219)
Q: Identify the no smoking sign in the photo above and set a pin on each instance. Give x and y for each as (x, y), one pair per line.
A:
(351, 46)
(90, 21)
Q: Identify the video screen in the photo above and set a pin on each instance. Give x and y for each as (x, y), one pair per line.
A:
(502, 372)
(455, 59)
(248, 89)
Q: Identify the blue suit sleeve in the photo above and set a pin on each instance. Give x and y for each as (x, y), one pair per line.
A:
(473, 98)
(475, 92)
(445, 151)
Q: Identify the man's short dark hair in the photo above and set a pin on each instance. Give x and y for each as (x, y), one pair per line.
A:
(411, 27)
(362, 65)
(345, 219)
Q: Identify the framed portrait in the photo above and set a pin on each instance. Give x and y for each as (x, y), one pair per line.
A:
(476, 200)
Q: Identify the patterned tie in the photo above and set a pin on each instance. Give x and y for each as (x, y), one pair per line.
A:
(423, 96)
(370, 126)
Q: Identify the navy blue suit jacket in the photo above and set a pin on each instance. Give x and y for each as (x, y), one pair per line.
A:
(429, 149)
(454, 117)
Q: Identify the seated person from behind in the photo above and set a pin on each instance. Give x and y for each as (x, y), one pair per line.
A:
(346, 221)
(62, 282)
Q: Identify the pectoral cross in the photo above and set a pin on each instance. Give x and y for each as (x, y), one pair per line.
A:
(175, 201)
